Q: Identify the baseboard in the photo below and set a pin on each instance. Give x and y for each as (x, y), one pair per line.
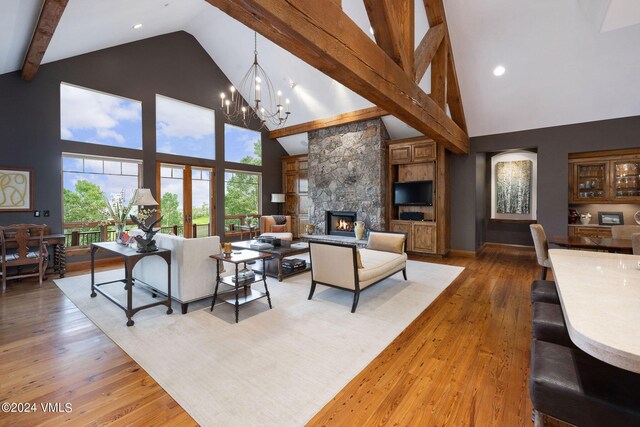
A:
(502, 245)
(462, 254)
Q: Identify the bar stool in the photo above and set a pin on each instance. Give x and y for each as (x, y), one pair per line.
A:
(544, 291)
(548, 324)
(568, 384)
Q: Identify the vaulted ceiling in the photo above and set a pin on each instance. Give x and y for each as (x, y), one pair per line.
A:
(567, 61)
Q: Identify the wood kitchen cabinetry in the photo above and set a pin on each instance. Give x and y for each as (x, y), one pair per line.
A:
(295, 179)
(604, 177)
(420, 159)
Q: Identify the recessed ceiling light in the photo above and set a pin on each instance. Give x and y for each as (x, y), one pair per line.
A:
(137, 26)
(371, 30)
(499, 70)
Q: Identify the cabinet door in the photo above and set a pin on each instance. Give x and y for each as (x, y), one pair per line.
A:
(303, 182)
(291, 204)
(424, 237)
(590, 182)
(626, 180)
(402, 227)
(294, 225)
(302, 223)
(290, 183)
(400, 154)
(303, 204)
(303, 164)
(290, 165)
(424, 152)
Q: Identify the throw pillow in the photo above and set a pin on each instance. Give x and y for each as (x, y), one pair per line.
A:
(277, 228)
(387, 242)
(358, 259)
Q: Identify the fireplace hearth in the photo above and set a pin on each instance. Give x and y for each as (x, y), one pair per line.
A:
(340, 223)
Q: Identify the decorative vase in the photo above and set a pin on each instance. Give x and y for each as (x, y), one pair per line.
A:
(309, 228)
(119, 227)
(585, 220)
(359, 229)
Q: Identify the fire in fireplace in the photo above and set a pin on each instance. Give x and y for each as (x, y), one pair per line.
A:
(340, 223)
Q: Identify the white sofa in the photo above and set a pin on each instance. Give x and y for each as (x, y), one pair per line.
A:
(193, 273)
(347, 267)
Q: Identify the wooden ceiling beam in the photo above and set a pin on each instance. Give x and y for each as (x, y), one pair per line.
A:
(382, 18)
(405, 17)
(426, 50)
(439, 76)
(47, 22)
(436, 16)
(322, 35)
(340, 119)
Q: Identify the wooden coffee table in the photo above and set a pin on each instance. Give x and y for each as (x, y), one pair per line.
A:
(273, 266)
(242, 292)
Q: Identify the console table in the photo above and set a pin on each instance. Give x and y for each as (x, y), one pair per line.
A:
(131, 258)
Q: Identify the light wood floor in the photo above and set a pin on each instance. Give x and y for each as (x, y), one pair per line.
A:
(463, 362)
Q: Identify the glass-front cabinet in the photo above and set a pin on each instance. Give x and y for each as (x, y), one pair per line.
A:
(591, 181)
(625, 179)
(610, 178)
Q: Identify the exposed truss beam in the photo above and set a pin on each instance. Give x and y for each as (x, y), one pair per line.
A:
(47, 22)
(426, 50)
(322, 35)
(340, 119)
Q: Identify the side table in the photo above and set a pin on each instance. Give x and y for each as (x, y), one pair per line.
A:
(131, 258)
(234, 296)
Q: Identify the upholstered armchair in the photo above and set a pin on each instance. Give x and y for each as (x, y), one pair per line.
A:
(268, 227)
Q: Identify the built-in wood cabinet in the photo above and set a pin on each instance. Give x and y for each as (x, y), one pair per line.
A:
(420, 159)
(604, 177)
(295, 180)
(589, 231)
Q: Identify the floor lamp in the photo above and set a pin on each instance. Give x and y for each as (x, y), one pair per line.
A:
(279, 199)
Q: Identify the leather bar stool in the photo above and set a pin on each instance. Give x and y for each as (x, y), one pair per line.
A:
(547, 324)
(544, 291)
(568, 384)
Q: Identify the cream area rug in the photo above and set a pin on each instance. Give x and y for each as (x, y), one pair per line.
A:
(275, 367)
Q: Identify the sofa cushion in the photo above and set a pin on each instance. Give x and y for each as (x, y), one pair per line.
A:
(359, 259)
(281, 236)
(388, 242)
(378, 264)
(277, 228)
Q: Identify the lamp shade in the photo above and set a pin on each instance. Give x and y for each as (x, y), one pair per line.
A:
(143, 197)
(277, 198)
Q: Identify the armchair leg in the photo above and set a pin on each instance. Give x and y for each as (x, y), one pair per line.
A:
(356, 297)
(404, 273)
(184, 307)
(543, 275)
(313, 289)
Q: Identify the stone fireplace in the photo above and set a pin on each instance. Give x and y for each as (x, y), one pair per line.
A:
(340, 223)
(347, 173)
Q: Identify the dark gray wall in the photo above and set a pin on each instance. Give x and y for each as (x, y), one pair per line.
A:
(174, 65)
(553, 145)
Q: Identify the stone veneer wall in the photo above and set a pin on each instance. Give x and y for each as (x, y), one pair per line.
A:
(347, 172)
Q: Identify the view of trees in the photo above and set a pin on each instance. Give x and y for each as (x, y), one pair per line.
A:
(170, 211)
(85, 204)
(242, 190)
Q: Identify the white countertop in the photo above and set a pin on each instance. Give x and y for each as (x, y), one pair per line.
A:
(600, 297)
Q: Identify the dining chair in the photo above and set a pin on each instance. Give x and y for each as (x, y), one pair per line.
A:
(542, 248)
(635, 243)
(624, 231)
(22, 245)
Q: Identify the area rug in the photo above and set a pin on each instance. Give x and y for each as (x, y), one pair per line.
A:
(275, 367)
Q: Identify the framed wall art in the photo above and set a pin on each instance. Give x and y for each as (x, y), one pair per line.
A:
(16, 189)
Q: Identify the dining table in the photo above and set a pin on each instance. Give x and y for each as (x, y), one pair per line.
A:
(592, 243)
(600, 298)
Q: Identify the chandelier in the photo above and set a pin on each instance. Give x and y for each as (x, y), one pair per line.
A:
(263, 102)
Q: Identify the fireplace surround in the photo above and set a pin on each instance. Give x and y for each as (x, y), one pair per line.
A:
(340, 223)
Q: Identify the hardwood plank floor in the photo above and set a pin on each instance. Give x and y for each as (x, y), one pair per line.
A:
(463, 362)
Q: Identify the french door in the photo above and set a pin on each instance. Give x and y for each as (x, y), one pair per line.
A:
(186, 197)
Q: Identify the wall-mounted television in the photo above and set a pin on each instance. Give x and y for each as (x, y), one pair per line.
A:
(416, 193)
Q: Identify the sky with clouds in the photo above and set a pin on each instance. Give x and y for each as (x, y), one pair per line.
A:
(99, 118)
(184, 129)
(238, 142)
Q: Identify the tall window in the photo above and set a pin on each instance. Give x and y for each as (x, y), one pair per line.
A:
(99, 118)
(184, 129)
(172, 198)
(242, 145)
(242, 196)
(86, 182)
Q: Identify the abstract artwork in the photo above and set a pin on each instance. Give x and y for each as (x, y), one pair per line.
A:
(513, 187)
(16, 191)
